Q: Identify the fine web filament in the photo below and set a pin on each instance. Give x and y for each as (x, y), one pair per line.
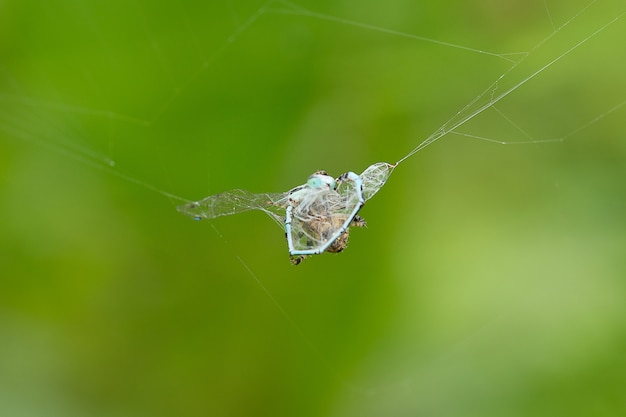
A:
(463, 116)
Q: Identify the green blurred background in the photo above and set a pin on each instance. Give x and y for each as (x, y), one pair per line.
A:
(490, 281)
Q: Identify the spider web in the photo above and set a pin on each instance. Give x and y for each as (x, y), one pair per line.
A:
(485, 274)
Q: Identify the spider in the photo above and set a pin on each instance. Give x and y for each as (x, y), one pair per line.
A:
(318, 216)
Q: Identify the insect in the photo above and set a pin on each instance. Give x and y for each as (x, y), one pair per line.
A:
(316, 216)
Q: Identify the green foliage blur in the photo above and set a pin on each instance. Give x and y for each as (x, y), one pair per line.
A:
(490, 280)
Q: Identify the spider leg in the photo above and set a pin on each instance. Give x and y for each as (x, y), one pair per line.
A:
(295, 260)
(358, 221)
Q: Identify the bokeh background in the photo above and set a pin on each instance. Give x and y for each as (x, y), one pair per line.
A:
(490, 281)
